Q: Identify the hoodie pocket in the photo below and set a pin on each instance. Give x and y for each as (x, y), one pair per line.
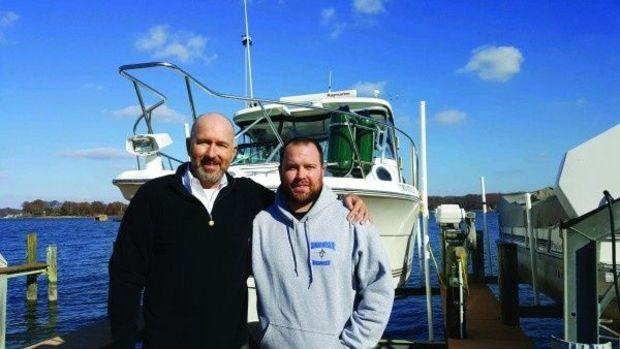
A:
(285, 337)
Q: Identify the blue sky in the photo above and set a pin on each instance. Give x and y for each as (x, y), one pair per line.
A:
(510, 86)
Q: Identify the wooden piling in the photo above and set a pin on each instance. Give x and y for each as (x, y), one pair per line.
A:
(455, 292)
(31, 258)
(508, 283)
(478, 259)
(52, 274)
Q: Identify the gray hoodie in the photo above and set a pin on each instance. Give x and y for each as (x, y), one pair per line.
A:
(322, 282)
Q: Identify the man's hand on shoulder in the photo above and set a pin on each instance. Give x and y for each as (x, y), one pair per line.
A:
(358, 210)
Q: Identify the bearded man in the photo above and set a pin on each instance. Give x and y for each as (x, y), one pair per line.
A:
(322, 282)
(185, 243)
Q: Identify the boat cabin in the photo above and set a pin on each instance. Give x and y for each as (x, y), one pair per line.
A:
(351, 130)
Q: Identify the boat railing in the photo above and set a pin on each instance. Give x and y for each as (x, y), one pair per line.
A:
(140, 86)
(170, 160)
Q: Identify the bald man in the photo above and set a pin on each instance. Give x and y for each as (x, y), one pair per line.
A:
(185, 242)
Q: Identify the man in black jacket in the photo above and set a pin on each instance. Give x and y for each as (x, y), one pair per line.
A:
(185, 242)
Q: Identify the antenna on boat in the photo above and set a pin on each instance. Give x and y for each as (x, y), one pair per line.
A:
(246, 40)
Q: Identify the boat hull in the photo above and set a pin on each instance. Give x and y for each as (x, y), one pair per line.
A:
(550, 278)
(130, 181)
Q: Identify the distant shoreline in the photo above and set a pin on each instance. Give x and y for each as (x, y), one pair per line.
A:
(58, 217)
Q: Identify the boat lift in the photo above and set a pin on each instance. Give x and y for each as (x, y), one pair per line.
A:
(585, 239)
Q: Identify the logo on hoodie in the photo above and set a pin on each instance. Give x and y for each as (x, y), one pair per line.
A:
(320, 252)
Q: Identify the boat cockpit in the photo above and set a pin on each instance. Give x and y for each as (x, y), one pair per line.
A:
(364, 133)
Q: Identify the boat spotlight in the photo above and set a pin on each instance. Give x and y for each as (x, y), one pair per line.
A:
(148, 144)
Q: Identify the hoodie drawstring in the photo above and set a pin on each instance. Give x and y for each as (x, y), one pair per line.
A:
(290, 243)
(309, 252)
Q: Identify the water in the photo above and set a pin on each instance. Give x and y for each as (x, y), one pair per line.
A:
(84, 248)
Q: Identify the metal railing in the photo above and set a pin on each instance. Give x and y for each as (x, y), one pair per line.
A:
(140, 85)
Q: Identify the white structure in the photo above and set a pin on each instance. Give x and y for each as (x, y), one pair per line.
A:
(549, 225)
(147, 149)
(587, 170)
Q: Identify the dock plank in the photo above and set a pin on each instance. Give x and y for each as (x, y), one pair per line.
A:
(484, 327)
(484, 330)
(15, 269)
(95, 336)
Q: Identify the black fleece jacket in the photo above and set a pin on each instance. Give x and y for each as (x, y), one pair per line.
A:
(193, 275)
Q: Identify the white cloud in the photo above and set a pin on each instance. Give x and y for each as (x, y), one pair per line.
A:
(7, 18)
(494, 63)
(337, 30)
(581, 102)
(155, 39)
(160, 42)
(96, 154)
(369, 7)
(450, 117)
(367, 88)
(91, 86)
(162, 113)
(328, 15)
(329, 19)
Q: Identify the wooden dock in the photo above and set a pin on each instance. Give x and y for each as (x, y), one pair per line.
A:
(484, 327)
(30, 270)
(484, 330)
(94, 336)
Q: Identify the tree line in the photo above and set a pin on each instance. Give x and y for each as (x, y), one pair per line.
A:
(470, 202)
(9, 211)
(70, 208)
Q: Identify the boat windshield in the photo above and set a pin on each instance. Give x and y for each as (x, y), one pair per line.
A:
(259, 142)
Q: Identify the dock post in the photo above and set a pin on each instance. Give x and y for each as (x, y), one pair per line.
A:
(426, 240)
(485, 225)
(478, 258)
(52, 274)
(532, 246)
(3, 298)
(508, 280)
(31, 258)
(580, 288)
(455, 302)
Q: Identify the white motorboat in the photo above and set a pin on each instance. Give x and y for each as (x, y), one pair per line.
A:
(362, 146)
(364, 155)
(363, 149)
